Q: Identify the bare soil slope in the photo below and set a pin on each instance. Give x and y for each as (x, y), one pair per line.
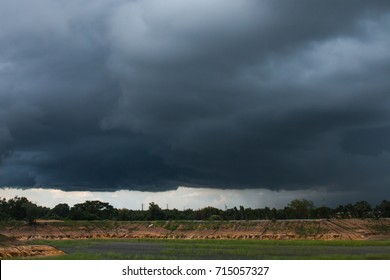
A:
(10, 247)
(335, 229)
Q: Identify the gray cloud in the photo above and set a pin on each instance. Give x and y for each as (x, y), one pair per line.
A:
(149, 95)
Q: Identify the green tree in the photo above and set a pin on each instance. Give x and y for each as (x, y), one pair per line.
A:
(207, 212)
(383, 209)
(300, 209)
(323, 212)
(60, 211)
(4, 210)
(32, 212)
(187, 214)
(17, 207)
(242, 213)
(362, 209)
(155, 212)
(92, 210)
(267, 213)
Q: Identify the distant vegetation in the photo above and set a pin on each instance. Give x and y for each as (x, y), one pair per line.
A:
(20, 208)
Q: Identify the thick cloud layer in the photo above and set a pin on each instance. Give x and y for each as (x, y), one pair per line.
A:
(150, 95)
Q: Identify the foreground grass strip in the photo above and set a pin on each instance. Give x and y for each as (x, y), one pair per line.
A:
(94, 249)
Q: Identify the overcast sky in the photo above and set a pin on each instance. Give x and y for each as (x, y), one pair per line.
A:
(149, 95)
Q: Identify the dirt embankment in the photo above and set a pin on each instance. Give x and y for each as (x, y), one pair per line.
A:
(342, 229)
(28, 251)
(10, 247)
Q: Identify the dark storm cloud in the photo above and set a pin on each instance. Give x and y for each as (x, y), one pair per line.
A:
(149, 95)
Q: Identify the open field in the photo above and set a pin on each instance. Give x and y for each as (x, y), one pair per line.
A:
(287, 239)
(217, 249)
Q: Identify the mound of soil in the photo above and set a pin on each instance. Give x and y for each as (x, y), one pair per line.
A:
(28, 251)
(10, 248)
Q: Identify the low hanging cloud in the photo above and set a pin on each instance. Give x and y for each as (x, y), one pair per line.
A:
(149, 95)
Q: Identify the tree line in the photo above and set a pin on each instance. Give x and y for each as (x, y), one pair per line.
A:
(20, 208)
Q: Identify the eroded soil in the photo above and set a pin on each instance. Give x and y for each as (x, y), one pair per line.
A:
(335, 229)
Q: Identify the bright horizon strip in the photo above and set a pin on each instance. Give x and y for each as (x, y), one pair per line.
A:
(181, 198)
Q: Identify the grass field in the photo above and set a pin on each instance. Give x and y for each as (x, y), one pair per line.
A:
(92, 249)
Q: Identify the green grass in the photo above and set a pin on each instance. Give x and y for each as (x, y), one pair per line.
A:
(223, 249)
